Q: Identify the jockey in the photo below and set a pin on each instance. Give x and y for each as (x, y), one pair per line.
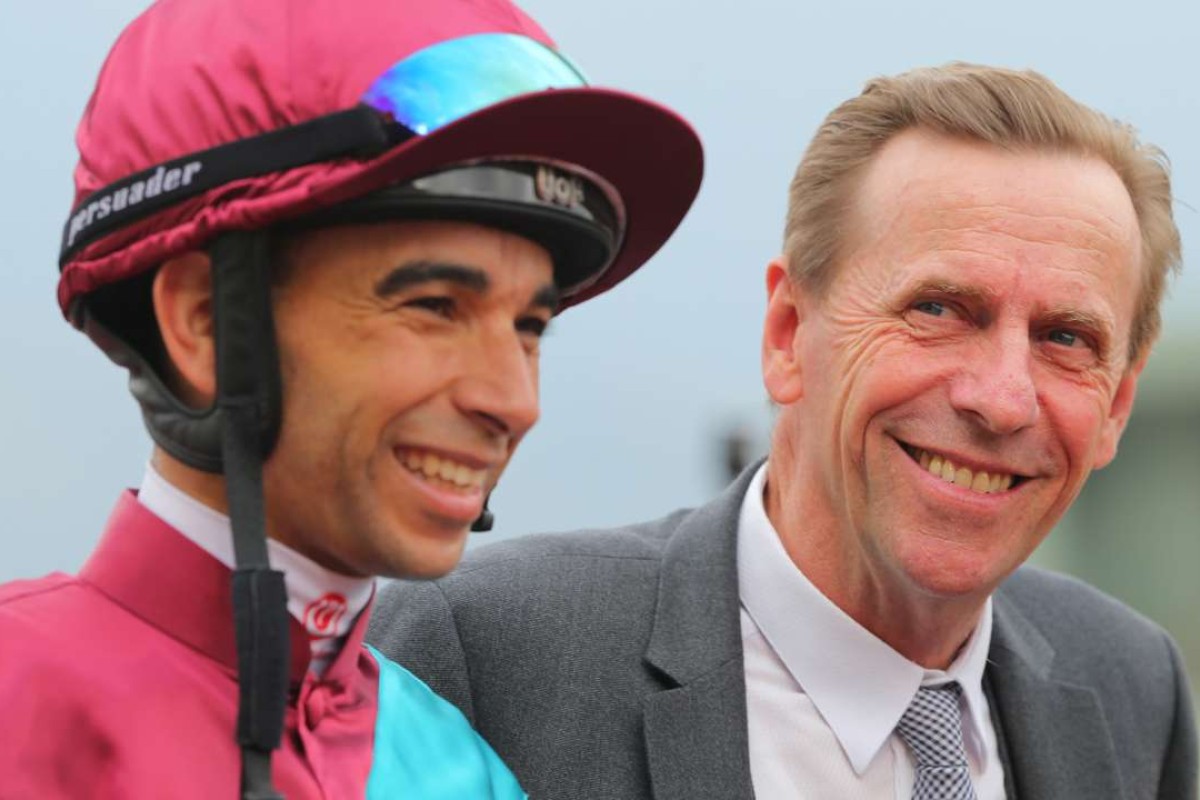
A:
(324, 238)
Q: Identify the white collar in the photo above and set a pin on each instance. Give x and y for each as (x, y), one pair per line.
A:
(326, 603)
(858, 683)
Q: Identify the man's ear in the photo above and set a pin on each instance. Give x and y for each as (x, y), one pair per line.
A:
(782, 374)
(183, 307)
(1118, 413)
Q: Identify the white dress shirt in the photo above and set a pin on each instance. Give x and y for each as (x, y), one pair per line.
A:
(326, 603)
(824, 694)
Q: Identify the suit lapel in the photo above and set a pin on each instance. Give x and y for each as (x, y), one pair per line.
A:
(1058, 741)
(696, 737)
(696, 742)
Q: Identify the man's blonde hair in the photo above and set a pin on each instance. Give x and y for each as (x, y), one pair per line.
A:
(1008, 108)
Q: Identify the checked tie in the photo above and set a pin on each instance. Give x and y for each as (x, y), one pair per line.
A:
(932, 729)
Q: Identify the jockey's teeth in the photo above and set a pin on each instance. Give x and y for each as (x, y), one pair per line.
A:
(437, 467)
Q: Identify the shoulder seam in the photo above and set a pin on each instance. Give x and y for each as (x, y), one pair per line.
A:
(461, 649)
(508, 559)
(38, 590)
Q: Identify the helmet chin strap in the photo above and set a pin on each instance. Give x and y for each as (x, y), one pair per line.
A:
(249, 407)
(234, 437)
(248, 403)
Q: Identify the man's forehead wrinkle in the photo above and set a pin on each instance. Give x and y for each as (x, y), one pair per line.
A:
(964, 251)
(1084, 246)
(912, 186)
(1049, 225)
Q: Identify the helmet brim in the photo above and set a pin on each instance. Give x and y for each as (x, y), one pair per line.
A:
(650, 156)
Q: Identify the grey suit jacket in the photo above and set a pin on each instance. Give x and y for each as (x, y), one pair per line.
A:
(608, 664)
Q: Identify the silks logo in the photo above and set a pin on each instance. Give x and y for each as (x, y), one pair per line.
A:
(322, 615)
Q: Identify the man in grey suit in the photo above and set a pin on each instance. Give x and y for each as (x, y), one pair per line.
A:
(969, 289)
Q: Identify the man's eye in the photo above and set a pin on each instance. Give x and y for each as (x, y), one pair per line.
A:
(534, 326)
(1065, 338)
(931, 307)
(937, 316)
(442, 306)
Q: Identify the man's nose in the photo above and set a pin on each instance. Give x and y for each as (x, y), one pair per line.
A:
(996, 387)
(499, 384)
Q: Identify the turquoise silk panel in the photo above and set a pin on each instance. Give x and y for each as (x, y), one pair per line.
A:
(426, 750)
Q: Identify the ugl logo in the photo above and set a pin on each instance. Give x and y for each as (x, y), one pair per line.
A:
(561, 190)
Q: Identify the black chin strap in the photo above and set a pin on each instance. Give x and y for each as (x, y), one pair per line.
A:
(248, 399)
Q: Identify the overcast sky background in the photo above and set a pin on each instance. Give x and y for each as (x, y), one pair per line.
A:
(639, 384)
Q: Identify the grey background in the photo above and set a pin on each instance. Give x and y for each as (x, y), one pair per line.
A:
(640, 385)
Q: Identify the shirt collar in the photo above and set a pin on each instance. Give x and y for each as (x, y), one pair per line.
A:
(145, 566)
(325, 603)
(858, 683)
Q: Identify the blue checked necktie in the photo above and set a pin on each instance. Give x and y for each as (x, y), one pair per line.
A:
(932, 729)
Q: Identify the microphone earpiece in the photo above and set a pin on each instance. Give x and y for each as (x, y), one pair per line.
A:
(485, 520)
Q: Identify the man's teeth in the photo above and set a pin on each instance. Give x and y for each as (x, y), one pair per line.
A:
(947, 470)
(432, 466)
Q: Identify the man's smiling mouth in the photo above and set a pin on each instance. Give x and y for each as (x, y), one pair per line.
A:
(443, 471)
(979, 481)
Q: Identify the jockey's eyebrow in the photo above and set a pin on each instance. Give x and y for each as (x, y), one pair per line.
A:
(418, 272)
